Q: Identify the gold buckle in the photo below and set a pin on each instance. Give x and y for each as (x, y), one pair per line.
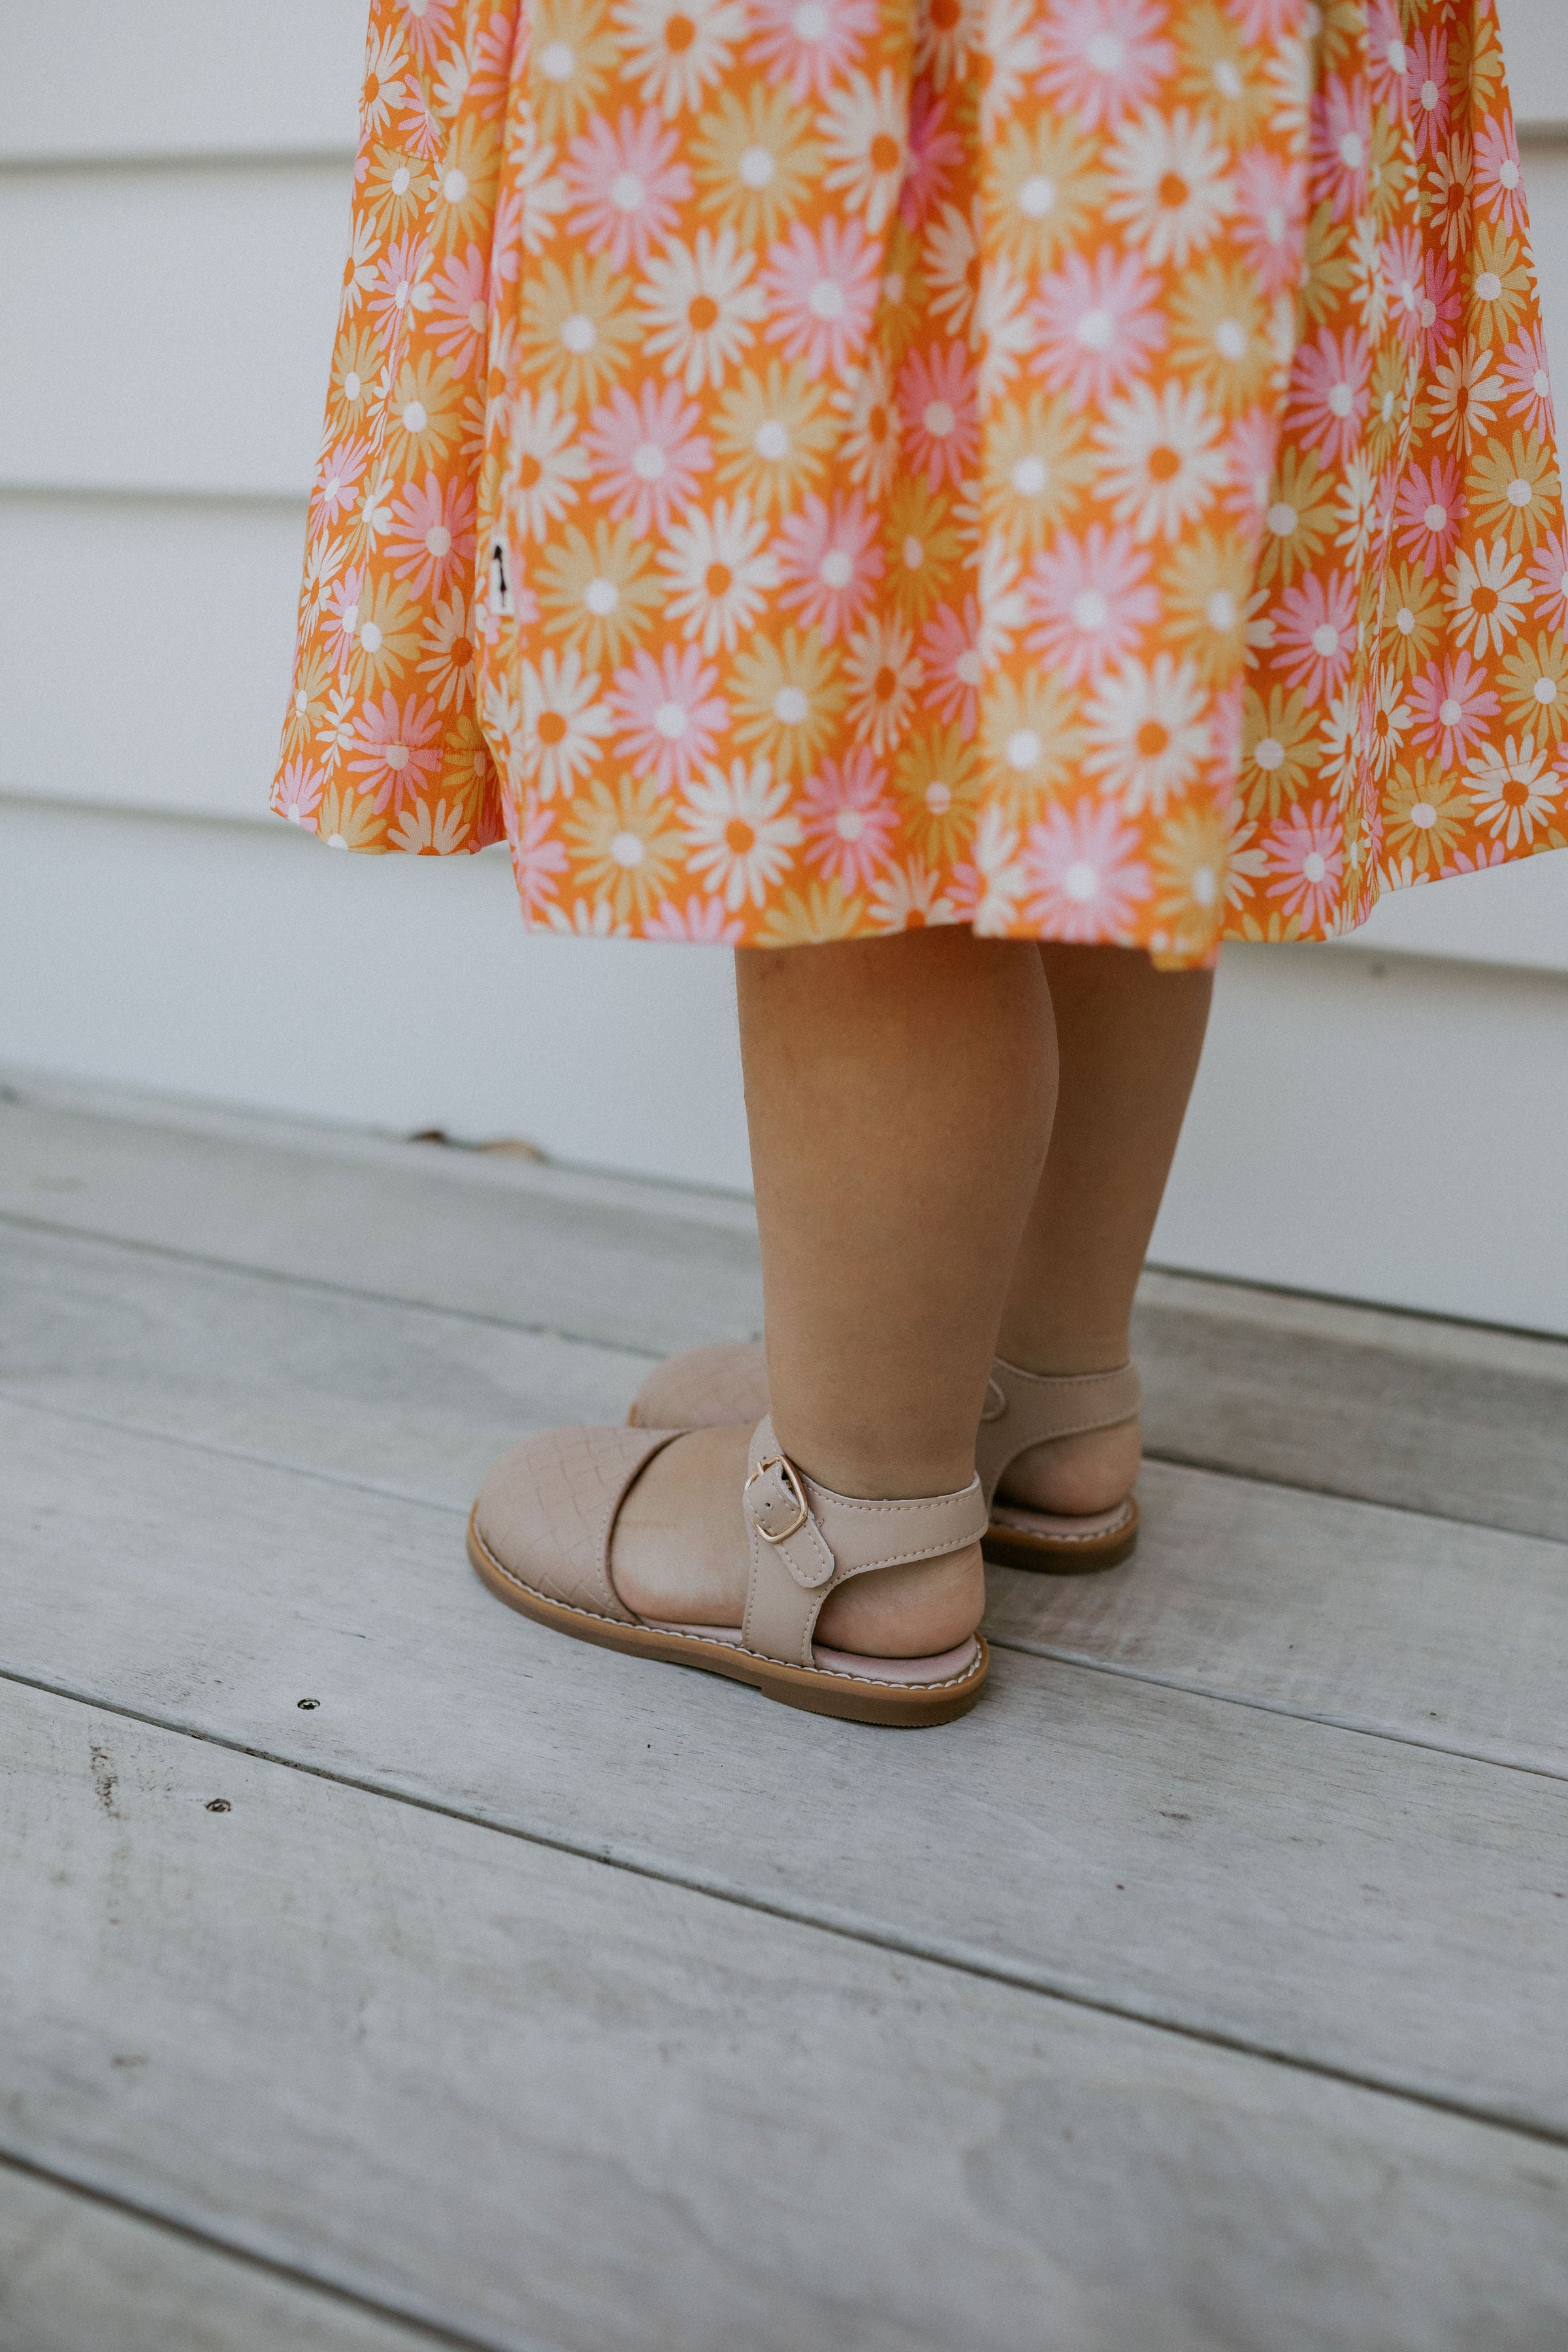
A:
(781, 1462)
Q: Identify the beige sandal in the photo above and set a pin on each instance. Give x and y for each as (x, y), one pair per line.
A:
(540, 1536)
(712, 1387)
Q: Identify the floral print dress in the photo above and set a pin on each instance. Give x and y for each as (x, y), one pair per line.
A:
(802, 468)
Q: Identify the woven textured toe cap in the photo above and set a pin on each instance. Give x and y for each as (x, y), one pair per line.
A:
(705, 1388)
(545, 1510)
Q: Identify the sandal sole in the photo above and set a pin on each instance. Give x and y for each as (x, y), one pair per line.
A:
(895, 1707)
(1006, 1546)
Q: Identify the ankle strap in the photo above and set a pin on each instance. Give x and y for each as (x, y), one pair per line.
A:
(806, 1541)
(1023, 1409)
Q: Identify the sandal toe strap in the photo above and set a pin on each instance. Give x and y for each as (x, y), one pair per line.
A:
(806, 1541)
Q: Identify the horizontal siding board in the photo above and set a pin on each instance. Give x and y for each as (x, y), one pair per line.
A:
(175, 78)
(178, 76)
(181, 703)
(213, 293)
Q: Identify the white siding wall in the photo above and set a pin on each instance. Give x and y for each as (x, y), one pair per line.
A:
(1388, 1120)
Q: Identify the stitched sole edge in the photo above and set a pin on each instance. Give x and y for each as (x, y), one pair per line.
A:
(1061, 1555)
(895, 1707)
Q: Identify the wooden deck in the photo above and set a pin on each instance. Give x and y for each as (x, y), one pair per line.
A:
(378, 1971)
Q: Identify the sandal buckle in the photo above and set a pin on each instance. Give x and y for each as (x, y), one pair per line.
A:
(792, 1480)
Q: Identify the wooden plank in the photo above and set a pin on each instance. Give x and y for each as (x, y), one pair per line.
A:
(78, 2275)
(634, 1265)
(552, 2102)
(1358, 1903)
(1446, 1418)
(216, 291)
(175, 77)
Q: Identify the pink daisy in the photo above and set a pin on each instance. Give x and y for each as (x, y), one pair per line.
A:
(491, 55)
(511, 237)
(1271, 217)
(647, 454)
(1102, 318)
(433, 532)
(950, 651)
(1315, 632)
(830, 560)
(627, 184)
(822, 288)
(937, 395)
(1387, 58)
(1341, 146)
(1081, 864)
(1252, 447)
(1426, 83)
(344, 611)
(538, 858)
(1090, 601)
(459, 311)
(1524, 371)
(1440, 304)
(809, 45)
(1430, 512)
(667, 713)
(1305, 853)
(1487, 853)
(1329, 392)
(399, 752)
(1549, 576)
(705, 922)
(1404, 262)
(427, 27)
(395, 282)
(1498, 183)
(848, 819)
(1104, 58)
(934, 150)
(299, 792)
(337, 483)
(1452, 703)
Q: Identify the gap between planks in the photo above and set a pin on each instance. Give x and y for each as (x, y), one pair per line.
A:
(828, 1920)
(1362, 1726)
(411, 2330)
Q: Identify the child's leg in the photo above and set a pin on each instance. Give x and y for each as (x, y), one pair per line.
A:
(898, 1094)
(1129, 1039)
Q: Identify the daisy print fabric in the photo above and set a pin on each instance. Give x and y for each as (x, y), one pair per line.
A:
(802, 468)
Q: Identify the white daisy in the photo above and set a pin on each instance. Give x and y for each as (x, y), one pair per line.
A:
(718, 568)
(1172, 185)
(1004, 327)
(1148, 736)
(1486, 597)
(909, 898)
(562, 722)
(1164, 463)
(587, 919)
(739, 829)
(1012, 54)
(545, 461)
(702, 313)
(999, 876)
(676, 49)
(862, 126)
(1513, 793)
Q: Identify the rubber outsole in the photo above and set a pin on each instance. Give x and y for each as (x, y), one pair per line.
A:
(1061, 1555)
(852, 1700)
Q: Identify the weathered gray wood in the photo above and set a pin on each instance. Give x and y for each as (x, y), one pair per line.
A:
(555, 2104)
(1447, 1418)
(1370, 1617)
(1356, 1902)
(1436, 1417)
(75, 2275)
(415, 1399)
(1417, 1627)
(635, 1266)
